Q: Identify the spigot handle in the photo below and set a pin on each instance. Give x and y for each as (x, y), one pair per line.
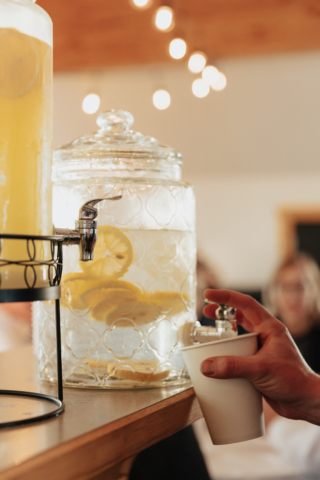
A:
(88, 227)
(226, 327)
(224, 312)
(86, 233)
(88, 210)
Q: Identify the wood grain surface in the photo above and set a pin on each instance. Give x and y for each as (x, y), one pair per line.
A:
(97, 431)
(102, 448)
(106, 33)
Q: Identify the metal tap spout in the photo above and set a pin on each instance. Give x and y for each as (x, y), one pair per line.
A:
(86, 232)
(226, 327)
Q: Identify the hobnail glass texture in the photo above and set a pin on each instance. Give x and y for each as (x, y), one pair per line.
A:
(134, 342)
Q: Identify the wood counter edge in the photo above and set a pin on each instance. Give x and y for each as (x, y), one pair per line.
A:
(92, 453)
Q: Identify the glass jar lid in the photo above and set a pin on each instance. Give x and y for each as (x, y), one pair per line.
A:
(116, 141)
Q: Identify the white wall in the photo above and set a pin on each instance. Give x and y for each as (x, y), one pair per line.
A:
(237, 221)
(248, 150)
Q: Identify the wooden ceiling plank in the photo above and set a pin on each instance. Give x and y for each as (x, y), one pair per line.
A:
(104, 33)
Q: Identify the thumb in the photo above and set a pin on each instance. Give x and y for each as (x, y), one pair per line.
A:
(229, 367)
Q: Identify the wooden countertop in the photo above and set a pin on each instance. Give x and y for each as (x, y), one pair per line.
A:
(99, 429)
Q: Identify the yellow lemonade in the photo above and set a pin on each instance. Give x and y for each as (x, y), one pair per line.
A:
(25, 146)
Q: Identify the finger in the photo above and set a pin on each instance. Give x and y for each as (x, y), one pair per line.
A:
(252, 310)
(244, 322)
(231, 367)
(209, 311)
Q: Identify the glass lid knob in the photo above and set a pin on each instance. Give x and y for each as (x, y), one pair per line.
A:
(115, 121)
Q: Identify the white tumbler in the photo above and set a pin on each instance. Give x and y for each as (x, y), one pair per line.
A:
(232, 408)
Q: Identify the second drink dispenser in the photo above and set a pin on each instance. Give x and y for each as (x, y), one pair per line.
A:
(25, 137)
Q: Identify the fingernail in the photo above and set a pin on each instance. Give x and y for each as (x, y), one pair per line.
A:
(208, 367)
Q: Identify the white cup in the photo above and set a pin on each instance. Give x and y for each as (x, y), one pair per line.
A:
(232, 408)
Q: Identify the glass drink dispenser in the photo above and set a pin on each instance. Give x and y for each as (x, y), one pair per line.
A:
(30, 257)
(122, 312)
(25, 132)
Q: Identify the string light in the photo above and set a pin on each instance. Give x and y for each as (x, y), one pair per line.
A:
(221, 82)
(91, 103)
(161, 99)
(197, 62)
(141, 4)
(210, 74)
(200, 88)
(164, 20)
(211, 77)
(177, 48)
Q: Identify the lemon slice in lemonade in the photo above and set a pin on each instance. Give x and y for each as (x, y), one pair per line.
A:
(110, 296)
(113, 255)
(99, 291)
(140, 372)
(19, 63)
(114, 298)
(71, 285)
(140, 312)
(80, 292)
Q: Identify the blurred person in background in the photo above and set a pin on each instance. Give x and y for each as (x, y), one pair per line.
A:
(293, 296)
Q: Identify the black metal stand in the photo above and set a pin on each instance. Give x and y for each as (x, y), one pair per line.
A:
(31, 294)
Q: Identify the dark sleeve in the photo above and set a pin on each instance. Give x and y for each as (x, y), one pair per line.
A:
(176, 458)
(309, 346)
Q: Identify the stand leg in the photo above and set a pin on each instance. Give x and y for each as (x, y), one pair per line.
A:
(59, 357)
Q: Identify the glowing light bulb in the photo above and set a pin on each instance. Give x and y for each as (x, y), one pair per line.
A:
(197, 62)
(161, 99)
(141, 4)
(200, 88)
(91, 103)
(210, 74)
(164, 19)
(177, 48)
(221, 82)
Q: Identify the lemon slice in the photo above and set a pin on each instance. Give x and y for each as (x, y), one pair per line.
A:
(169, 302)
(81, 292)
(114, 298)
(98, 283)
(113, 255)
(99, 291)
(105, 299)
(140, 372)
(19, 63)
(71, 284)
(140, 313)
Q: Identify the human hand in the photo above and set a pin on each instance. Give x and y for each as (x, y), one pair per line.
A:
(277, 370)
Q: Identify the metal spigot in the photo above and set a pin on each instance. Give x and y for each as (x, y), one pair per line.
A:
(226, 327)
(86, 232)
